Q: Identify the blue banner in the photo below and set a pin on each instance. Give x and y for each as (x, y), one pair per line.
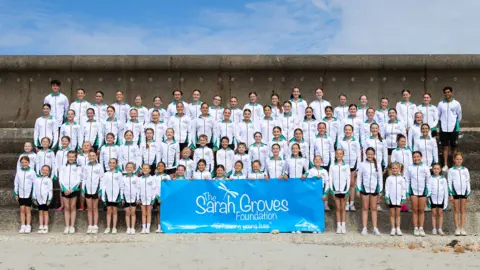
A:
(242, 206)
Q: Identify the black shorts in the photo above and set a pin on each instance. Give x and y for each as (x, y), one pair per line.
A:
(91, 196)
(126, 205)
(170, 171)
(394, 206)
(390, 150)
(25, 202)
(434, 206)
(434, 133)
(419, 196)
(340, 196)
(354, 168)
(449, 139)
(42, 207)
(457, 197)
(152, 169)
(369, 194)
(72, 195)
(112, 204)
(325, 168)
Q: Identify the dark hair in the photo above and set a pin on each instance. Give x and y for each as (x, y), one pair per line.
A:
(299, 148)
(328, 107)
(287, 102)
(49, 169)
(342, 95)
(352, 105)
(247, 110)
(72, 152)
(370, 108)
(253, 92)
(182, 166)
(384, 98)
(68, 138)
(425, 124)
(427, 94)
(204, 103)
(110, 134)
(201, 161)
(219, 166)
(225, 138)
(100, 92)
(298, 129)
(322, 123)
(238, 146)
(348, 125)
(313, 115)
(447, 88)
(25, 158)
(111, 107)
(277, 127)
(405, 90)
(177, 90)
(47, 105)
(293, 88)
(81, 89)
(374, 158)
(55, 82)
(258, 132)
(161, 162)
(155, 97)
(438, 164)
(196, 90)
(279, 106)
(90, 109)
(239, 162)
(257, 161)
(70, 110)
(393, 109)
(379, 135)
(360, 97)
(276, 144)
(417, 152)
(400, 136)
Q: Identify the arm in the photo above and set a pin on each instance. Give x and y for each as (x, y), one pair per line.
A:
(429, 186)
(359, 177)
(348, 179)
(435, 150)
(469, 190)
(450, 183)
(55, 133)
(410, 139)
(435, 118)
(16, 185)
(380, 178)
(102, 188)
(359, 154)
(36, 134)
(459, 113)
(386, 191)
(50, 191)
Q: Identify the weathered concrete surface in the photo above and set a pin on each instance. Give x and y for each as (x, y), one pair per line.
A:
(24, 80)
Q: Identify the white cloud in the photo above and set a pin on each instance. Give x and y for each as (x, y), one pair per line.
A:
(265, 27)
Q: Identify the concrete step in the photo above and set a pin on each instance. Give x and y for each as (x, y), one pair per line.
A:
(10, 221)
(8, 161)
(13, 145)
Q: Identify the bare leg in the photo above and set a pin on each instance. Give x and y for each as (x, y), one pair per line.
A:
(90, 212)
(133, 214)
(45, 218)
(445, 155)
(149, 214)
(456, 212)
(373, 210)
(22, 215)
(40, 217)
(440, 218)
(463, 212)
(343, 201)
(144, 214)
(28, 214)
(95, 211)
(337, 209)
(353, 184)
(397, 214)
(434, 218)
(73, 211)
(365, 206)
(414, 200)
(66, 211)
(421, 211)
(109, 216)
(115, 217)
(392, 217)
(127, 217)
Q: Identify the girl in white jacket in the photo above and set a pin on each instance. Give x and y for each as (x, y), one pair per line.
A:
(42, 197)
(202, 125)
(309, 126)
(188, 162)
(112, 194)
(402, 154)
(276, 165)
(130, 196)
(157, 106)
(238, 171)
(170, 151)
(417, 175)
(121, 107)
(259, 151)
(108, 151)
(406, 109)
(143, 117)
(204, 152)
(157, 126)
(297, 165)
(220, 173)
(369, 186)
(378, 144)
(61, 155)
(460, 191)
(45, 157)
(92, 131)
(22, 190)
(351, 149)
(430, 113)
(241, 155)
(339, 180)
(201, 173)
(391, 130)
(255, 108)
(324, 146)
(70, 179)
(307, 148)
(437, 197)
(256, 173)
(317, 172)
(80, 107)
(298, 104)
(427, 146)
(112, 125)
(180, 123)
(288, 121)
(130, 152)
(150, 150)
(45, 126)
(225, 155)
(267, 124)
(381, 115)
(395, 195)
(71, 129)
(353, 120)
(30, 153)
(134, 125)
(341, 111)
(92, 174)
(224, 128)
(332, 125)
(280, 140)
(246, 129)
(148, 190)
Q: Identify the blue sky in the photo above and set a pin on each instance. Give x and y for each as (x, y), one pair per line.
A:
(239, 27)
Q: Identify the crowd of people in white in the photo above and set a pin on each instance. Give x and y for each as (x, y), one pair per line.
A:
(120, 153)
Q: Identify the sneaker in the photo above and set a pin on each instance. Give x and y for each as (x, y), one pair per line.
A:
(45, 230)
(463, 232)
(445, 168)
(28, 229)
(457, 232)
(352, 208)
(376, 232)
(67, 229)
(107, 231)
(159, 230)
(40, 230)
(90, 230)
(440, 232)
(22, 229)
(434, 231)
(132, 231)
(114, 231)
(344, 229)
(379, 208)
(144, 231)
(60, 209)
(399, 232)
(71, 230)
(421, 232)
(364, 231)
(147, 231)
(392, 232)
(95, 229)
(416, 232)
(347, 207)
(339, 229)
(128, 230)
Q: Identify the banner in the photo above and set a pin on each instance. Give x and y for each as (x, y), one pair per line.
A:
(242, 206)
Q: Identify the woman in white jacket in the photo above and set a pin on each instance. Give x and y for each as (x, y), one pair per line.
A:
(288, 121)
(333, 125)
(267, 124)
(112, 194)
(298, 104)
(339, 180)
(437, 197)
(460, 191)
(71, 129)
(427, 146)
(323, 146)
(430, 113)
(417, 175)
(70, 180)
(42, 197)
(180, 123)
(112, 125)
(92, 173)
(108, 151)
(131, 196)
(309, 126)
(203, 125)
(130, 152)
(392, 129)
(369, 186)
(246, 129)
(45, 126)
(406, 109)
(255, 108)
(395, 196)
(224, 128)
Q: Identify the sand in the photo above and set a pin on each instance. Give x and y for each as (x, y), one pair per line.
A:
(252, 251)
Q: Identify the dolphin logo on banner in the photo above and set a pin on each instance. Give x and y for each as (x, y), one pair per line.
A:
(227, 191)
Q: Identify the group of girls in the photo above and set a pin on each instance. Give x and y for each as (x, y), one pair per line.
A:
(125, 151)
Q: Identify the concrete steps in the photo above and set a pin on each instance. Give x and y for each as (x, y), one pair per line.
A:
(10, 221)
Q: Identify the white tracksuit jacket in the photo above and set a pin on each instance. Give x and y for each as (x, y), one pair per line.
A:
(108, 152)
(130, 152)
(80, 108)
(181, 127)
(429, 149)
(147, 189)
(121, 111)
(74, 131)
(111, 186)
(245, 132)
(43, 190)
(296, 167)
(288, 123)
(380, 147)
(370, 178)
(276, 168)
(92, 174)
(158, 130)
(130, 188)
(266, 128)
(339, 178)
(113, 126)
(170, 153)
(459, 181)
(225, 158)
(142, 115)
(45, 127)
(223, 129)
(417, 176)
(59, 104)
(321, 173)
(190, 166)
(245, 159)
(351, 150)
(45, 158)
(395, 189)
(438, 190)
(298, 108)
(202, 126)
(206, 154)
(449, 115)
(323, 146)
(23, 183)
(205, 175)
(137, 129)
(391, 130)
(151, 155)
(259, 152)
(406, 113)
(92, 132)
(70, 177)
(430, 115)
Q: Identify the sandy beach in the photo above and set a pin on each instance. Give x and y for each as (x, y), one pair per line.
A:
(256, 251)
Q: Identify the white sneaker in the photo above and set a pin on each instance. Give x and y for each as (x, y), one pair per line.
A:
(22, 229)
(352, 208)
(440, 232)
(132, 231)
(95, 229)
(392, 232)
(114, 231)
(427, 209)
(434, 231)
(344, 229)
(144, 231)
(421, 232)
(71, 230)
(67, 229)
(364, 231)
(457, 232)
(28, 229)
(416, 232)
(379, 208)
(45, 230)
(347, 207)
(147, 231)
(376, 232)
(399, 232)
(159, 230)
(107, 231)
(40, 230)
(128, 230)
(339, 229)
(445, 168)
(90, 229)
(463, 232)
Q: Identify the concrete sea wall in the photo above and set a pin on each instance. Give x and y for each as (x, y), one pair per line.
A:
(24, 80)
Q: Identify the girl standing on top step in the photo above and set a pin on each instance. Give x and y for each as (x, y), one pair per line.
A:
(42, 197)
(111, 192)
(22, 191)
(157, 106)
(460, 191)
